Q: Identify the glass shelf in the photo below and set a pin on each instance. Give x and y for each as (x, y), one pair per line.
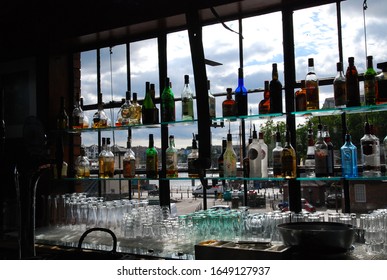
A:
(257, 116)
(337, 111)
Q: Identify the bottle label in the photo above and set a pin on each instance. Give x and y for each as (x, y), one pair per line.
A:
(129, 168)
(253, 154)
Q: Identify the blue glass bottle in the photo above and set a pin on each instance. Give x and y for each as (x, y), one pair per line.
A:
(241, 95)
(348, 158)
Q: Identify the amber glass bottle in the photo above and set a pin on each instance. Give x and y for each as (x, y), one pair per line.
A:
(264, 104)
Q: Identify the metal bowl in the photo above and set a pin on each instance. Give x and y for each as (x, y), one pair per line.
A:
(317, 236)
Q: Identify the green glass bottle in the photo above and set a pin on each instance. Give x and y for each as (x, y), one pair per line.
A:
(151, 159)
(147, 110)
(370, 83)
(167, 103)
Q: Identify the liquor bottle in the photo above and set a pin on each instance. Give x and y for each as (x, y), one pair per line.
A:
(241, 95)
(275, 91)
(348, 158)
(77, 115)
(331, 153)
(230, 159)
(376, 149)
(301, 98)
(123, 115)
(135, 111)
(147, 110)
(310, 160)
(221, 159)
(288, 158)
(229, 105)
(86, 122)
(246, 160)
(369, 153)
(100, 119)
(211, 101)
(370, 83)
(82, 165)
(276, 155)
(155, 109)
(264, 104)
(109, 160)
(187, 101)
(321, 154)
(171, 159)
(151, 159)
(101, 159)
(339, 88)
(129, 161)
(62, 120)
(193, 171)
(167, 103)
(381, 80)
(352, 84)
(385, 152)
(255, 157)
(264, 155)
(311, 87)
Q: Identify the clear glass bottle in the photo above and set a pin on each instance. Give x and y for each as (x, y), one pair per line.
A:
(135, 111)
(352, 84)
(109, 160)
(241, 95)
(86, 122)
(151, 159)
(370, 153)
(264, 104)
(310, 161)
(221, 159)
(370, 83)
(339, 87)
(301, 98)
(275, 91)
(276, 155)
(101, 159)
(229, 105)
(123, 115)
(193, 171)
(348, 158)
(129, 161)
(385, 152)
(381, 80)
(264, 155)
(187, 112)
(230, 159)
(77, 115)
(321, 154)
(288, 158)
(171, 159)
(82, 165)
(211, 101)
(147, 110)
(255, 157)
(62, 120)
(312, 87)
(246, 160)
(167, 103)
(100, 119)
(331, 152)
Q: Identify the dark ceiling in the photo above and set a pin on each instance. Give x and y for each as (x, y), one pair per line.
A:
(28, 28)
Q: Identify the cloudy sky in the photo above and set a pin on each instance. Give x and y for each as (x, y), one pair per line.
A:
(315, 36)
